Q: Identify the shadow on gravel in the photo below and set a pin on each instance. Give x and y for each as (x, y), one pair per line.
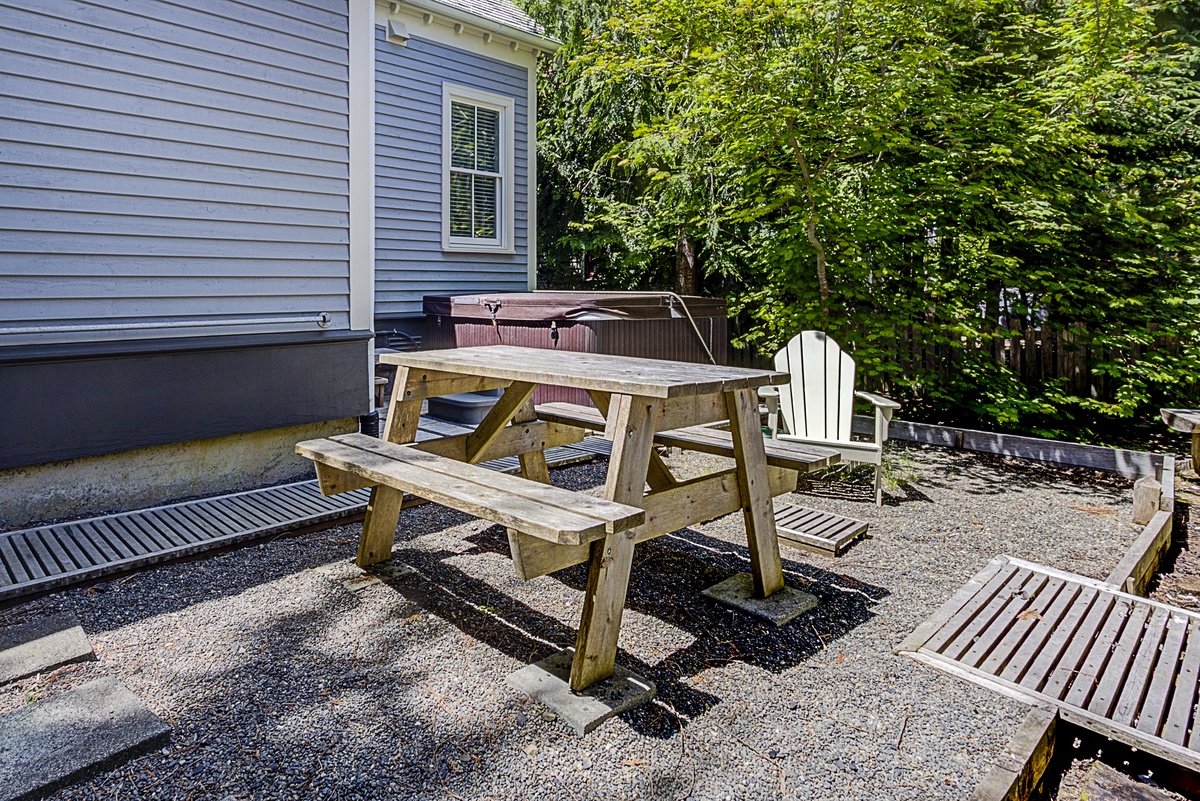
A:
(288, 721)
(976, 473)
(111, 602)
(668, 575)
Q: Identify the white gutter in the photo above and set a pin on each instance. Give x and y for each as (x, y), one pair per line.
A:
(536, 41)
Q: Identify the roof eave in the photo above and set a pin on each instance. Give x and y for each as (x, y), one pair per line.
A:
(536, 41)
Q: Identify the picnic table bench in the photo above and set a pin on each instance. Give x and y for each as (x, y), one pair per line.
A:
(539, 510)
(704, 439)
(639, 402)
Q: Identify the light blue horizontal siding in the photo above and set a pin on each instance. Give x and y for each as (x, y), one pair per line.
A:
(98, 205)
(168, 160)
(151, 268)
(75, 87)
(223, 49)
(131, 59)
(409, 262)
(21, 179)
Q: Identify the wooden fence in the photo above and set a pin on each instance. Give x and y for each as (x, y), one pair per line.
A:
(1035, 355)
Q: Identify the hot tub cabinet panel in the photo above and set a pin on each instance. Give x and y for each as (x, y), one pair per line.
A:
(650, 325)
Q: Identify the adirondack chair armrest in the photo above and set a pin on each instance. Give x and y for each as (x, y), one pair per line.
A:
(877, 400)
(884, 409)
(770, 396)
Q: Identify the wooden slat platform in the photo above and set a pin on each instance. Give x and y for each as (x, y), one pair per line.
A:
(812, 530)
(47, 557)
(1118, 664)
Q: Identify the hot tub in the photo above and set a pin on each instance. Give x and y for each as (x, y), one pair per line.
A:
(651, 325)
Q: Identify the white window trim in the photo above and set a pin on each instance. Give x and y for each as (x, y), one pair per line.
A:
(505, 219)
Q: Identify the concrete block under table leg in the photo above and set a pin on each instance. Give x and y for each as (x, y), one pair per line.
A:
(737, 591)
(548, 681)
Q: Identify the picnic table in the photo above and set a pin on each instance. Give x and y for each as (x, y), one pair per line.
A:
(638, 402)
(1186, 421)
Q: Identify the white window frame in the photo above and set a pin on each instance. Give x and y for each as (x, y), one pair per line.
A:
(506, 196)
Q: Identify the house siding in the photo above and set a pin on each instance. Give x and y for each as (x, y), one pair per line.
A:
(172, 162)
(409, 260)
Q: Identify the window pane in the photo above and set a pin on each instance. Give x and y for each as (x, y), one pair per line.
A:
(460, 204)
(462, 136)
(485, 207)
(487, 143)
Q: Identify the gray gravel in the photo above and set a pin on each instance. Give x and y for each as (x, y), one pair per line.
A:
(288, 674)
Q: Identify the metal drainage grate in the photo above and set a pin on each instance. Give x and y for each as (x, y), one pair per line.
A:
(37, 559)
(42, 558)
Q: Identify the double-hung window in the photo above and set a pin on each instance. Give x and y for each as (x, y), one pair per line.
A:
(477, 172)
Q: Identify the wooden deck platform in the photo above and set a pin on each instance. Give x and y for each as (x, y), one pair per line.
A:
(813, 530)
(37, 559)
(1117, 664)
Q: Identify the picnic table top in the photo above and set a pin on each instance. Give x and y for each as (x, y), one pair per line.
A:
(595, 371)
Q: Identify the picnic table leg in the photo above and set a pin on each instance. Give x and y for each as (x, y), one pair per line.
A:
(533, 463)
(750, 452)
(383, 509)
(659, 476)
(516, 397)
(631, 420)
(534, 468)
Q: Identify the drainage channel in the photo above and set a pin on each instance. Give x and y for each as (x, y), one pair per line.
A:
(37, 559)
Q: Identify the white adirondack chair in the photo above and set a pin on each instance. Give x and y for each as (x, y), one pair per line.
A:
(817, 407)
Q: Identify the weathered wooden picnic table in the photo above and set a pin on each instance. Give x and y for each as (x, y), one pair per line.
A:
(550, 528)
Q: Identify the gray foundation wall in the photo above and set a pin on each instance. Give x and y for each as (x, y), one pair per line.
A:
(144, 477)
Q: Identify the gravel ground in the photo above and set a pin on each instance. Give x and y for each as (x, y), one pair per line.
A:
(1178, 582)
(285, 673)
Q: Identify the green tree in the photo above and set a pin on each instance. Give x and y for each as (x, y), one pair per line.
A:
(906, 174)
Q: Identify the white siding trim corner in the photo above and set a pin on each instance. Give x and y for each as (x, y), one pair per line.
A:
(362, 177)
(531, 182)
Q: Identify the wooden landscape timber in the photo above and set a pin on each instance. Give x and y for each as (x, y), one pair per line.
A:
(1137, 568)
(1021, 766)
(1125, 463)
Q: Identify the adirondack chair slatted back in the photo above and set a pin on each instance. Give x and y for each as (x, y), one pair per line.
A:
(819, 401)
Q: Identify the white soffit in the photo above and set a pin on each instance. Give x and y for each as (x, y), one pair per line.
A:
(462, 22)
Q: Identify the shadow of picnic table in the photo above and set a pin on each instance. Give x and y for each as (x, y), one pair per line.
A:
(667, 578)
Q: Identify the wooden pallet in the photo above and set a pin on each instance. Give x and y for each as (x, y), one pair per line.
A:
(812, 530)
(1112, 662)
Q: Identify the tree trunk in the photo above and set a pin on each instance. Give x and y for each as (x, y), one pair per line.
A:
(687, 281)
(822, 276)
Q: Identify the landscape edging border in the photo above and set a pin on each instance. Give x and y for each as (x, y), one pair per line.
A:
(1126, 463)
